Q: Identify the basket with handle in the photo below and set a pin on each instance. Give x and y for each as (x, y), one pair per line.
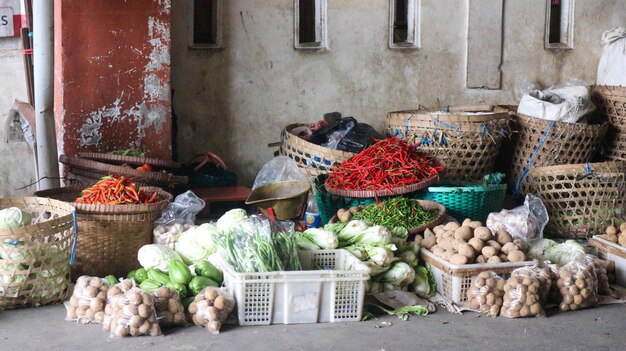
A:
(35, 259)
(581, 199)
(312, 159)
(540, 142)
(612, 101)
(466, 138)
(110, 235)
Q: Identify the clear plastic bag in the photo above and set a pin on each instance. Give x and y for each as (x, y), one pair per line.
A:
(114, 293)
(600, 270)
(279, 169)
(133, 314)
(577, 286)
(522, 297)
(553, 270)
(88, 301)
(177, 217)
(211, 307)
(170, 311)
(542, 274)
(524, 222)
(486, 293)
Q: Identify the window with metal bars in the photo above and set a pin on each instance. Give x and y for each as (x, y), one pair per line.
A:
(404, 24)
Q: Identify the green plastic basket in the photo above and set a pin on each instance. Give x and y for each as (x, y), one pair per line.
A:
(466, 199)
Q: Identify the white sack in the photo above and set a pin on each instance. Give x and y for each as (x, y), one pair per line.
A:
(566, 104)
(612, 67)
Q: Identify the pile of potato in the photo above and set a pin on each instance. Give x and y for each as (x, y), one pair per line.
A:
(170, 310)
(471, 242)
(521, 297)
(88, 300)
(115, 293)
(613, 236)
(211, 307)
(485, 293)
(576, 284)
(132, 314)
(168, 234)
(544, 277)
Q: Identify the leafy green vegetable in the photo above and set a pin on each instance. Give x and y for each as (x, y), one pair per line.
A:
(424, 284)
(128, 152)
(402, 312)
(316, 238)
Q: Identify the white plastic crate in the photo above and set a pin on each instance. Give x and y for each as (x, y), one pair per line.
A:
(613, 252)
(330, 288)
(454, 280)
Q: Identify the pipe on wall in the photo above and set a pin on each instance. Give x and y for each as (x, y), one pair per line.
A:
(43, 56)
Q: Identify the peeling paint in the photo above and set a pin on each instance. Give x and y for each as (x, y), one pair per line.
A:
(90, 131)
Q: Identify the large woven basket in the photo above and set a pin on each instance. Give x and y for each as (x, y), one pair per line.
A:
(110, 235)
(312, 159)
(35, 259)
(612, 100)
(539, 143)
(582, 199)
(468, 143)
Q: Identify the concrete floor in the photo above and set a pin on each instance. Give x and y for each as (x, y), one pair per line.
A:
(594, 329)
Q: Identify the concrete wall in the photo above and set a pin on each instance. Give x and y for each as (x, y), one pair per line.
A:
(17, 167)
(234, 101)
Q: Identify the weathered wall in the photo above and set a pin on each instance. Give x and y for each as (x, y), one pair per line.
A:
(234, 101)
(112, 68)
(17, 167)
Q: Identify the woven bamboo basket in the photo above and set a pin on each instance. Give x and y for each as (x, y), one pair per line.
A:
(130, 160)
(581, 199)
(94, 170)
(110, 235)
(540, 142)
(312, 159)
(35, 259)
(467, 142)
(612, 100)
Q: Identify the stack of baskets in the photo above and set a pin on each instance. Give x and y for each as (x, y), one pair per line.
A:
(540, 142)
(110, 235)
(612, 100)
(581, 199)
(35, 259)
(467, 142)
(312, 159)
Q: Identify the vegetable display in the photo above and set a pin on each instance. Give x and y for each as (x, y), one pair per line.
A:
(387, 164)
(399, 212)
(470, 243)
(112, 190)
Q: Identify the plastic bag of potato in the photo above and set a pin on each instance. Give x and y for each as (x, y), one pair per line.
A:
(115, 293)
(211, 307)
(576, 284)
(521, 296)
(600, 268)
(541, 274)
(88, 300)
(133, 314)
(170, 311)
(485, 293)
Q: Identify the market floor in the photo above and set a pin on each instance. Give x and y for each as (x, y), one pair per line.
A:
(594, 329)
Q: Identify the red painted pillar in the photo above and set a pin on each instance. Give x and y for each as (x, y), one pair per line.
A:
(112, 76)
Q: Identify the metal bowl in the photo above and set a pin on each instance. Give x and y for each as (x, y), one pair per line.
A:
(286, 199)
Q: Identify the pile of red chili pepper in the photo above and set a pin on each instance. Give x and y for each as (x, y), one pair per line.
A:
(112, 190)
(389, 163)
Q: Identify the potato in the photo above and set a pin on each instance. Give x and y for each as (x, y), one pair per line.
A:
(448, 255)
(451, 226)
(622, 227)
(494, 259)
(483, 233)
(456, 243)
(458, 259)
(143, 310)
(355, 209)
(429, 242)
(503, 257)
(508, 247)
(622, 239)
(428, 233)
(475, 224)
(516, 256)
(466, 222)
(418, 240)
(611, 230)
(494, 244)
(445, 243)
(343, 215)
(71, 314)
(91, 291)
(135, 298)
(464, 233)
(489, 252)
(136, 321)
(438, 229)
(447, 234)
(503, 237)
(481, 259)
(438, 251)
(155, 330)
(97, 305)
(612, 238)
(147, 299)
(467, 251)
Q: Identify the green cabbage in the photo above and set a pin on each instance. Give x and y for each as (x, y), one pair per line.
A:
(566, 252)
(197, 244)
(424, 284)
(156, 256)
(231, 219)
(13, 217)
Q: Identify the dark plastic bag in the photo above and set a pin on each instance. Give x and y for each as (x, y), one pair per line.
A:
(334, 131)
(358, 138)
